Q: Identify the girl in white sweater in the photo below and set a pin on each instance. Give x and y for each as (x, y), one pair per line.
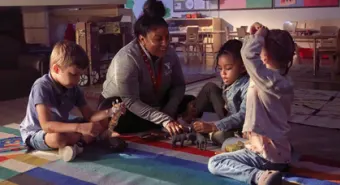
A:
(267, 56)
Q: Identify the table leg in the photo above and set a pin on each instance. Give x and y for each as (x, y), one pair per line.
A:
(314, 58)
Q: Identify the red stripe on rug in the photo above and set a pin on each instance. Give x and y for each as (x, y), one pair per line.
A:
(191, 150)
(317, 160)
(3, 158)
(313, 174)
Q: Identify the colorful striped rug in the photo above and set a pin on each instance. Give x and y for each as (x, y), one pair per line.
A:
(143, 163)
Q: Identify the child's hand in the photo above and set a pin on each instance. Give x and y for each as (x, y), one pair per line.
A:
(91, 129)
(203, 127)
(255, 27)
(263, 31)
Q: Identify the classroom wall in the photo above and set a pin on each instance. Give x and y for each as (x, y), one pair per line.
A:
(273, 18)
(57, 2)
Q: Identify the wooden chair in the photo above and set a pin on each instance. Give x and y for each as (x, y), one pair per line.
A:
(328, 30)
(241, 32)
(333, 51)
(207, 42)
(192, 40)
(245, 28)
(175, 43)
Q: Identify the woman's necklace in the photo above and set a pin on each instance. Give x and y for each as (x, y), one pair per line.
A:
(155, 78)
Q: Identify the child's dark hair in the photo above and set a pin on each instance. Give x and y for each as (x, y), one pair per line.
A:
(182, 107)
(280, 47)
(231, 47)
(153, 13)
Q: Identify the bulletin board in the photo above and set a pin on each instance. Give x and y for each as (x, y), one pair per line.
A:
(194, 5)
(245, 4)
(305, 3)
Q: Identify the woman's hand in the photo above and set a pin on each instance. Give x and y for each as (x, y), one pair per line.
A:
(203, 127)
(174, 128)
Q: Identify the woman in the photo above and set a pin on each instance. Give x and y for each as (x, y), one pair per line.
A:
(147, 76)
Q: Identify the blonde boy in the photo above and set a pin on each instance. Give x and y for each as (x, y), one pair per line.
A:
(46, 125)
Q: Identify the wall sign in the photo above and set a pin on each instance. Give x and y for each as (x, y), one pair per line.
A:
(194, 5)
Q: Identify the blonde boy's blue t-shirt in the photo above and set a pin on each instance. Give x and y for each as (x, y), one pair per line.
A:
(58, 99)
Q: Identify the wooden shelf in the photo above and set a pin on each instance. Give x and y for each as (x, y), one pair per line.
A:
(187, 19)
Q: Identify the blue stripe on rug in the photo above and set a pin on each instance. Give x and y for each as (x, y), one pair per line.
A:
(307, 181)
(158, 166)
(134, 153)
(203, 167)
(55, 178)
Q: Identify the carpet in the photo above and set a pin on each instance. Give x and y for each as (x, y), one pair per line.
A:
(316, 108)
(148, 163)
(304, 73)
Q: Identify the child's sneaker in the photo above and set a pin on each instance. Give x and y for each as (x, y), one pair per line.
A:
(270, 178)
(68, 153)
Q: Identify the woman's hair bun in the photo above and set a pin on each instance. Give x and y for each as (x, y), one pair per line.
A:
(154, 8)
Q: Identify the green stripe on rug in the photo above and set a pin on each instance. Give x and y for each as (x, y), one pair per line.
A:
(7, 173)
(10, 131)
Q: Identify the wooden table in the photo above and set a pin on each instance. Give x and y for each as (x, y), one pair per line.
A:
(314, 38)
(301, 31)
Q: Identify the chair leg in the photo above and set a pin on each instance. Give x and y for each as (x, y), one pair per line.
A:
(337, 64)
(203, 55)
(333, 59)
(212, 51)
(186, 54)
(316, 63)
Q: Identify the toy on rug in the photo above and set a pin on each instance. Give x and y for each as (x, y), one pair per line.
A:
(195, 138)
(189, 135)
(233, 144)
(109, 137)
(179, 138)
(201, 141)
(234, 147)
(12, 144)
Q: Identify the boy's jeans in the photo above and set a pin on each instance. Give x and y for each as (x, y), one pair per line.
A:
(242, 165)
